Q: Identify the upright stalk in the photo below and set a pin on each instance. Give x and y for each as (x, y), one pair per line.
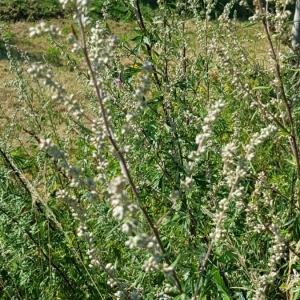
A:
(292, 133)
(120, 155)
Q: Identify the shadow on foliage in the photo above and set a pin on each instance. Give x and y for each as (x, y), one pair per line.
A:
(17, 54)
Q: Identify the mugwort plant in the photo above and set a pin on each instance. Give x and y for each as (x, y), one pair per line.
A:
(169, 169)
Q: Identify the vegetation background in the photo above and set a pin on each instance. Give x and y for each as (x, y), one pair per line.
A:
(30, 10)
(150, 151)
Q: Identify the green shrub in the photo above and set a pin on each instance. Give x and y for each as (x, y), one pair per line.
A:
(119, 10)
(30, 10)
(53, 56)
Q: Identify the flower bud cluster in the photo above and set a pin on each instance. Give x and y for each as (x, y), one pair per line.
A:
(101, 48)
(82, 6)
(238, 195)
(132, 296)
(51, 149)
(75, 43)
(98, 140)
(95, 262)
(212, 115)
(263, 282)
(143, 241)
(123, 209)
(259, 216)
(137, 240)
(75, 208)
(40, 71)
(280, 19)
(59, 93)
(110, 269)
(217, 234)
(82, 232)
(113, 283)
(120, 295)
(279, 247)
(135, 296)
(152, 264)
(243, 3)
(258, 13)
(43, 28)
(169, 289)
(260, 203)
(74, 173)
(168, 270)
(163, 296)
(257, 139)
(232, 170)
(267, 109)
(210, 6)
(143, 85)
(206, 134)
(79, 213)
(224, 17)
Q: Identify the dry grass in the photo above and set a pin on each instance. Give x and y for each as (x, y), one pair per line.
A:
(248, 34)
(37, 47)
(7, 96)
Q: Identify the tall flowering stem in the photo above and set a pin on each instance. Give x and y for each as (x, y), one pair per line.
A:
(119, 153)
(292, 135)
(233, 170)
(210, 247)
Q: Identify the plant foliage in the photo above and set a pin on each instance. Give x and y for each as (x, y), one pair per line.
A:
(172, 173)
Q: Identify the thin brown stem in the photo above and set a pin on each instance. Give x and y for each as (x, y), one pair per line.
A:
(184, 66)
(148, 47)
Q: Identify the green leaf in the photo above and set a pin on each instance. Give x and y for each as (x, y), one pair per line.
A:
(137, 38)
(296, 229)
(297, 294)
(262, 88)
(220, 283)
(130, 72)
(227, 257)
(146, 40)
(174, 264)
